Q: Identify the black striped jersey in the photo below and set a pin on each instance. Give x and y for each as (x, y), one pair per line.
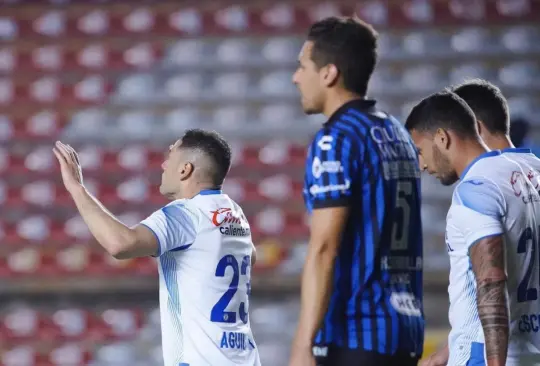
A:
(364, 159)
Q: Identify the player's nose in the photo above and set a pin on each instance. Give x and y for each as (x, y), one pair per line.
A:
(164, 165)
(294, 78)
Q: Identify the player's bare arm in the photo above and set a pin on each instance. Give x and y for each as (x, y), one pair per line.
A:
(119, 240)
(326, 227)
(487, 259)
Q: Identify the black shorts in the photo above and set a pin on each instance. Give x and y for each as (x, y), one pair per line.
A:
(335, 356)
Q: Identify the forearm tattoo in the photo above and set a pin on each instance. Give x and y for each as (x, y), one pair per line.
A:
(487, 258)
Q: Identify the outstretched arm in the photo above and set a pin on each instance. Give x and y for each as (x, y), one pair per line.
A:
(487, 259)
(118, 240)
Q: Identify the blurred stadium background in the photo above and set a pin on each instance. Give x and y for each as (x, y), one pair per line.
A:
(121, 80)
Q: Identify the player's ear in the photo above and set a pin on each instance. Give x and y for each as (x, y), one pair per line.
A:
(185, 170)
(330, 74)
(480, 126)
(442, 139)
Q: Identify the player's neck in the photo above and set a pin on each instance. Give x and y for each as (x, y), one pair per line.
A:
(498, 142)
(192, 191)
(336, 100)
(468, 153)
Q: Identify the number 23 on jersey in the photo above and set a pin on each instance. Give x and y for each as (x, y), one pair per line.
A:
(218, 314)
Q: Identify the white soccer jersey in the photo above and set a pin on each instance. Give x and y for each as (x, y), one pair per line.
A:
(498, 194)
(204, 281)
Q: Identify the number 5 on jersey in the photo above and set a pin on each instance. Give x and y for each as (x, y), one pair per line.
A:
(218, 314)
(400, 230)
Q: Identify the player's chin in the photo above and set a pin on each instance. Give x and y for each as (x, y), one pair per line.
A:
(448, 180)
(308, 109)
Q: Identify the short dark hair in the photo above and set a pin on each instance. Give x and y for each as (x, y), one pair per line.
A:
(348, 43)
(214, 146)
(487, 102)
(443, 110)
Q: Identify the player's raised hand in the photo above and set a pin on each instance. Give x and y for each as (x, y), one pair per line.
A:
(70, 166)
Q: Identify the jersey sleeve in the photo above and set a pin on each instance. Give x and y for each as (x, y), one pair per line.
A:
(332, 164)
(175, 227)
(482, 209)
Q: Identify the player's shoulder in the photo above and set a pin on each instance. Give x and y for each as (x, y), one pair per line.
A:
(481, 188)
(183, 207)
(209, 202)
(333, 137)
(234, 205)
(352, 125)
(176, 215)
(488, 166)
(522, 156)
(481, 174)
(501, 167)
(478, 194)
(181, 203)
(373, 124)
(474, 187)
(177, 203)
(360, 120)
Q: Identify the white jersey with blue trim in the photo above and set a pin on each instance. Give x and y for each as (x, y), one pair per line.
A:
(204, 262)
(497, 195)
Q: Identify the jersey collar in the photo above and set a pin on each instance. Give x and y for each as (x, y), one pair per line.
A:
(208, 192)
(518, 150)
(362, 104)
(487, 154)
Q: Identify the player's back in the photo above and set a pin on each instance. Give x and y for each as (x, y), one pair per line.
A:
(523, 253)
(205, 286)
(366, 158)
(515, 178)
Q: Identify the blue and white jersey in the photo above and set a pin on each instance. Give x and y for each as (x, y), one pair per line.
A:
(204, 281)
(497, 195)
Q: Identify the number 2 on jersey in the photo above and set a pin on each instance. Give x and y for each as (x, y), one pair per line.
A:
(400, 230)
(524, 292)
(218, 314)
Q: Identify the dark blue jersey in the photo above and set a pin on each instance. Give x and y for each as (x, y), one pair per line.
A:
(364, 159)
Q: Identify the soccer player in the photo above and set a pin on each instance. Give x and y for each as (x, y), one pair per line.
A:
(362, 279)
(491, 237)
(491, 110)
(492, 116)
(203, 243)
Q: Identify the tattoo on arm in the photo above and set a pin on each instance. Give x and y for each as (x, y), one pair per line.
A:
(488, 263)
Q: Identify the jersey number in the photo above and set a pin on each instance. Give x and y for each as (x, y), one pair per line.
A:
(219, 315)
(524, 292)
(400, 230)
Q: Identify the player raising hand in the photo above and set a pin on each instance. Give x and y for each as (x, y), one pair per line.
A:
(204, 248)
